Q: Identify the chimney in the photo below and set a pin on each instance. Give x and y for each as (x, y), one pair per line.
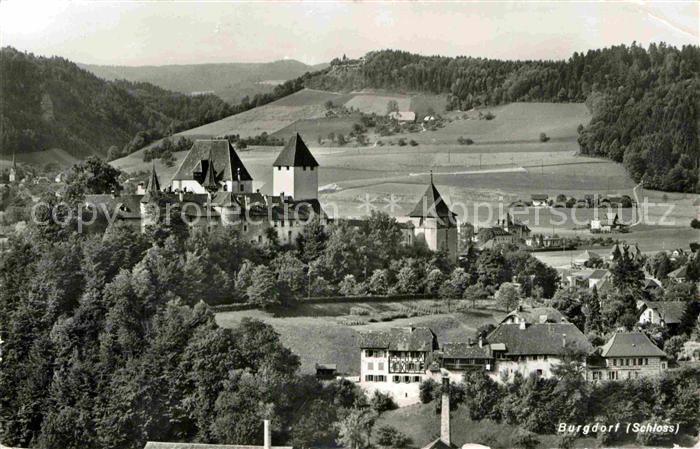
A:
(445, 410)
(563, 340)
(267, 442)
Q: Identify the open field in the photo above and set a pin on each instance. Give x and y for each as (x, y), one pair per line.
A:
(506, 162)
(312, 332)
(422, 424)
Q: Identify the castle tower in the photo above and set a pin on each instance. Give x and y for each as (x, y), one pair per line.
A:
(295, 171)
(13, 169)
(209, 183)
(434, 223)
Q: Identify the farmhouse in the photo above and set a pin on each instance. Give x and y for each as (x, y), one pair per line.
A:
(396, 361)
(531, 315)
(540, 199)
(212, 187)
(403, 116)
(627, 355)
(663, 313)
(533, 348)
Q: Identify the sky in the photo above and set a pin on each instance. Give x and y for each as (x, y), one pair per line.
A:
(184, 32)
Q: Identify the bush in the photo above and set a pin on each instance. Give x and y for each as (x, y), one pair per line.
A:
(413, 143)
(390, 436)
(427, 390)
(464, 141)
(543, 137)
(402, 142)
(382, 402)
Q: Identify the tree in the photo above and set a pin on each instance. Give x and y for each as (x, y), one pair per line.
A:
(91, 176)
(315, 426)
(379, 282)
(508, 296)
(264, 290)
(382, 402)
(355, 430)
(433, 281)
(392, 106)
(427, 390)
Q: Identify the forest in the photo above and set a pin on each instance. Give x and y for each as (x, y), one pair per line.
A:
(645, 102)
(108, 343)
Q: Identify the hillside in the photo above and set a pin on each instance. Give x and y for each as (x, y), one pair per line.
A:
(231, 81)
(51, 103)
(645, 101)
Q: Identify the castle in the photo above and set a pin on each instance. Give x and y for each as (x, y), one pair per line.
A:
(212, 187)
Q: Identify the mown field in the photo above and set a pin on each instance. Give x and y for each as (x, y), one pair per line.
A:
(313, 333)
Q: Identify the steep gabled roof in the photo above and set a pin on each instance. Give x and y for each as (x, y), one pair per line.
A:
(295, 154)
(431, 205)
(400, 339)
(153, 183)
(679, 273)
(631, 344)
(540, 339)
(221, 152)
(670, 311)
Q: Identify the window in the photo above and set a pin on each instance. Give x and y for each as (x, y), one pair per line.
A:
(287, 168)
(614, 362)
(380, 378)
(245, 228)
(304, 168)
(380, 366)
(259, 238)
(312, 169)
(397, 379)
(407, 379)
(289, 235)
(370, 366)
(369, 378)
(241, 187)
(416, 378)
(279, 168)
(646, 361)
(663, 365)
(538, 372)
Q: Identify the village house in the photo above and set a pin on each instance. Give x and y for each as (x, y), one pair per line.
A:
(627, 355)
(396, 361)
(403, 116)
(540, 199)
(528, 348)
(679, 275)
(531, 315)
(664, 313)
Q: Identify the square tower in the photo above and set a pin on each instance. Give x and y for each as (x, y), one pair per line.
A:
(295, 171)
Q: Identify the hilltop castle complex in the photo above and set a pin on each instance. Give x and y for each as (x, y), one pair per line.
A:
(212, 187)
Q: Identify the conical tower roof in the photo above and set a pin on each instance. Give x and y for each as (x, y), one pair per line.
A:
(295, 154)
(153, 183)
(431, 204)
(209, 181)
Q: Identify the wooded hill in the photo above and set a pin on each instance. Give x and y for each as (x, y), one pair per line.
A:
(52, 103)
(645, 102)
(229, 81)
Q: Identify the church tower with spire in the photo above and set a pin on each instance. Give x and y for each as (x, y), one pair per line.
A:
(295, 171)
(435, 225)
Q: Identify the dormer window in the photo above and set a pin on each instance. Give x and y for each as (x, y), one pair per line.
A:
(304, 168)
(279, 168)
(288, 168)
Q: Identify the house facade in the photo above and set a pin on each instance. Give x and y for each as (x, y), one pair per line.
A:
(628, 355)
(663, 313)
(396, 361)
